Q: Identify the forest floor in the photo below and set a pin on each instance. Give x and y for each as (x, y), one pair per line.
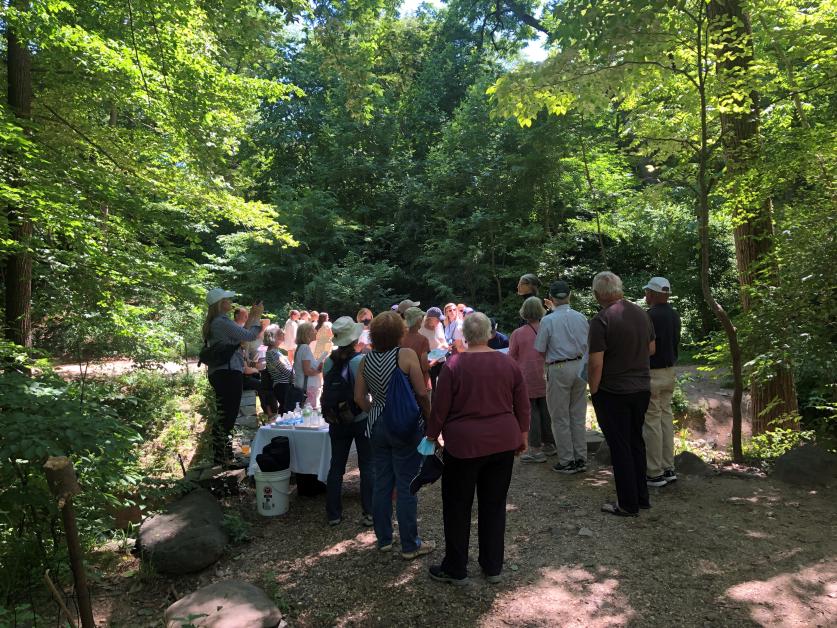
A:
(730, 549)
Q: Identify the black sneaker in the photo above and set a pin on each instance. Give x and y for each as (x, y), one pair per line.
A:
(580, 465)
(439, 575)
(658, 480)
(566, 469)
(670, 475)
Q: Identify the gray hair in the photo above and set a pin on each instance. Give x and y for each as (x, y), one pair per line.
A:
(270, 333)
(476, 328)
(532, 309)
(607, 285)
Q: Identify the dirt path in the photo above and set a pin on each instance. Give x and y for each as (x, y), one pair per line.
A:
(719, 551)
(716, 551)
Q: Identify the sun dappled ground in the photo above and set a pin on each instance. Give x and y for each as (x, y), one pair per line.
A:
(719, 551)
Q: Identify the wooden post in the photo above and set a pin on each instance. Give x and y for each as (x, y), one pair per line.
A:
(61, 478)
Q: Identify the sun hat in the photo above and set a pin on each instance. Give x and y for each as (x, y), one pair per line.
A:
(434, 312)
(406, 304)
(658, 284)
(412, 316)
(559, 289)
(216, 294)
(346, 331)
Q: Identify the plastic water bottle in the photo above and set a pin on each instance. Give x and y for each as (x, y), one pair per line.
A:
(307, 415)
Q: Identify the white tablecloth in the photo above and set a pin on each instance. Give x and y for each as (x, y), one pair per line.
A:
(310, 449)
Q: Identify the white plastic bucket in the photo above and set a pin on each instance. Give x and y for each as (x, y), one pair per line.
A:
(272, 491)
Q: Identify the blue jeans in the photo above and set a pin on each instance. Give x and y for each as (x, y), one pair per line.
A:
(396, 462)
(341, 437)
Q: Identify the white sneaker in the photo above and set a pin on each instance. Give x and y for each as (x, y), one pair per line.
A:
(532, 457)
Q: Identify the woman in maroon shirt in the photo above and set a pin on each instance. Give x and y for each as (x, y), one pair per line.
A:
(481, 409)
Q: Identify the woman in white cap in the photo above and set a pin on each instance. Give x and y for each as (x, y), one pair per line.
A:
(227, 376)
(351, 427)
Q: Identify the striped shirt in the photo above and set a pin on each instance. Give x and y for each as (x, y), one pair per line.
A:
(223, 330)
(378, 367)
(278, 366)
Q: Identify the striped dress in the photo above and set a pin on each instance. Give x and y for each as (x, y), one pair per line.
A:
(378, 367)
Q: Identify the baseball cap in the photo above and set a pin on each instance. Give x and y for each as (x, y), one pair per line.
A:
(412, 316)
(434, 312)
(658, 284)
(559, 289)
(216, 294)
(406, 304)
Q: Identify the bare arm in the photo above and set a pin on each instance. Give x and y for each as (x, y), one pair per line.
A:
(594, 371)
(409, 363)
(361, 389)
(652, 347)
(309, 370)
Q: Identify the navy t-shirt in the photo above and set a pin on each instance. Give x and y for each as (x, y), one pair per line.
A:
(500, 341)
(667, 330)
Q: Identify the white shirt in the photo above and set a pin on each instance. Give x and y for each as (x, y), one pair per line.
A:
(436, 337)
(289, 343)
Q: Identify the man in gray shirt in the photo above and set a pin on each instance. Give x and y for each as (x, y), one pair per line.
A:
(562, 340)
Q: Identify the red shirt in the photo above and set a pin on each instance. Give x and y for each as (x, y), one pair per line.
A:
(480, 406)
(522, 350)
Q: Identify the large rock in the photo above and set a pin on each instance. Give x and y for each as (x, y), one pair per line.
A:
(603, 454)
(688, 463)
(594, 441)
(227, 604)
(808, 465)
(186, 538)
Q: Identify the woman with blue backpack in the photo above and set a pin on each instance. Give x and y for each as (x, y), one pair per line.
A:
(347, 422)
(399, 400)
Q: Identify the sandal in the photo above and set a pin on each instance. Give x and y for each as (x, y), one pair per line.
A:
(614, 509)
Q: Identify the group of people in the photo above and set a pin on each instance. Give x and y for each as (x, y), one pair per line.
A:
(486, 399)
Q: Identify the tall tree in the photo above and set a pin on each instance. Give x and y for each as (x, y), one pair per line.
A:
(773, 393)
(18, 267)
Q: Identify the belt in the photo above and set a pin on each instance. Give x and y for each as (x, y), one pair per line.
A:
(562, 361)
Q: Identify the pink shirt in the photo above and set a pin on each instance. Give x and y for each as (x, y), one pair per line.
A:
(522, 350)
(480, 406)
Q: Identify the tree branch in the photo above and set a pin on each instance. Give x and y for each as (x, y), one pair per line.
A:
(87, 139)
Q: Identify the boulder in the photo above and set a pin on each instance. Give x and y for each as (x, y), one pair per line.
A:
(225, 604)
(220, 482)
(603, 454)
(594, 441)
(688, 463)
(186, 538)
(808, 465)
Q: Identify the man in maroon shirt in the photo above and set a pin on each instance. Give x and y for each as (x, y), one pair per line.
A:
(621, 341)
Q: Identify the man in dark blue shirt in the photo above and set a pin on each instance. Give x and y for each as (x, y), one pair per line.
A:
(658, 430)
(497, 340)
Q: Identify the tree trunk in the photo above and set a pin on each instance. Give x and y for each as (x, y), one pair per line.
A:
(702, 214)
(773, 396)
(18, 265)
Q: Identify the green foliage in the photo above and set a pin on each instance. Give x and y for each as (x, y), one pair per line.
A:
(239, 530)
(770, 445)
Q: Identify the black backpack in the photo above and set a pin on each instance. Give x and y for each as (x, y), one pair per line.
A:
(217, 354)
(337, 400)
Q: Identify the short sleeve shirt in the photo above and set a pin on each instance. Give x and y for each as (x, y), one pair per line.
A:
(622, 331)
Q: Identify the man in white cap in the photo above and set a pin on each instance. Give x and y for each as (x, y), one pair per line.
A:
(658, 430)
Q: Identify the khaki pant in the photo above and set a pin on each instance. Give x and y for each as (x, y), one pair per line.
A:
(566, 398)
(658, 431)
